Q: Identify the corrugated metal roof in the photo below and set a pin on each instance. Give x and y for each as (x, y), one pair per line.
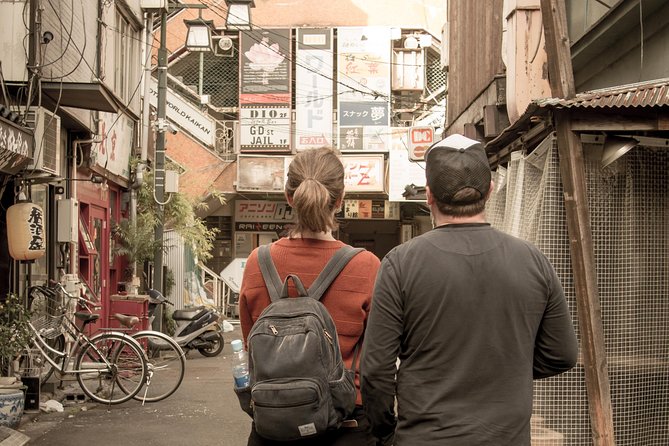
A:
(642, 94)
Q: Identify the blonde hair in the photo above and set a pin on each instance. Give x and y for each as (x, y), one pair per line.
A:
(315, 183)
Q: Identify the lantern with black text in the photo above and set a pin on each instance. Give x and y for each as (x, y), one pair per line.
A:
(25, 231)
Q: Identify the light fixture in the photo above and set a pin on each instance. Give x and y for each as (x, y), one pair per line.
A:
(615, 147)
(411, 42)
(199, 34)
(239, 14)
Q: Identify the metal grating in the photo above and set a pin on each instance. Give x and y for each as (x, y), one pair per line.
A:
(220, 76)
(629, 212)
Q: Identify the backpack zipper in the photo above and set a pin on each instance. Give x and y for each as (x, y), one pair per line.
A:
(274, 330)
(327, 335)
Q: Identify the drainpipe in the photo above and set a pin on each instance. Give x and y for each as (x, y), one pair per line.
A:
(144, 141)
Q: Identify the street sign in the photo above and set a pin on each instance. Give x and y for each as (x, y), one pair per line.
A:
(420, 138)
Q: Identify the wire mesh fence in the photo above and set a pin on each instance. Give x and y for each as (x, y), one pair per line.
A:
(629, 212)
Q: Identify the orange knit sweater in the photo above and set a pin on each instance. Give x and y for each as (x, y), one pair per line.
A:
(348, 299)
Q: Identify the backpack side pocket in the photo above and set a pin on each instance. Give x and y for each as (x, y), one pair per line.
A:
(244, 397)
(344, 394)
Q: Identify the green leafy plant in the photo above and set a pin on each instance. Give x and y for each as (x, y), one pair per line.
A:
(136, 239)
(15, 333)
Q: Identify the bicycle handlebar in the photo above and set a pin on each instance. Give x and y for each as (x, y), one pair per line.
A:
(86, 302)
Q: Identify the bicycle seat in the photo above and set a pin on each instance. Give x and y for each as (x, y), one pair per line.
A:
(87, 317)
(126, 320)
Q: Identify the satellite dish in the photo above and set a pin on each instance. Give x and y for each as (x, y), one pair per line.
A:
(225, 43)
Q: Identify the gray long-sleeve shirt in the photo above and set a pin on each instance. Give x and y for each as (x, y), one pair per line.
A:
(474, 315)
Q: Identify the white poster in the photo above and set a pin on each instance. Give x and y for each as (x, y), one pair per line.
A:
(363, 173)
(402, 171)
(313, 91)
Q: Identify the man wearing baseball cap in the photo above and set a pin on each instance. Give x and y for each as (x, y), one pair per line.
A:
(473, 314)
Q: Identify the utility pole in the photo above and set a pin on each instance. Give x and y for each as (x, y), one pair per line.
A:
(572, 169)
(159, 168)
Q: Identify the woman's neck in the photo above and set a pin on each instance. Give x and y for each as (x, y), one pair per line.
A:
(316, 235)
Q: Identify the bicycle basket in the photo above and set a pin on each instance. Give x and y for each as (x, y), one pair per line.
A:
(46, 313)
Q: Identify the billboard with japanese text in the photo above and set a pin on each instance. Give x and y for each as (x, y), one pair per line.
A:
(313, 88)
(363, 83)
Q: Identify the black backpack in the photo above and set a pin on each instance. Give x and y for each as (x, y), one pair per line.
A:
(299, 385)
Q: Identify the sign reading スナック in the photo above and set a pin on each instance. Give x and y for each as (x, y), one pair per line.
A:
(363, 75)
(420, 138)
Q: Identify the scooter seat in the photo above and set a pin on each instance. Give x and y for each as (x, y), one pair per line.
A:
(188, 314)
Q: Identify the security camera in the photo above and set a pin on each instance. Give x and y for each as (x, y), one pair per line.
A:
(47, 37)
(172, 128)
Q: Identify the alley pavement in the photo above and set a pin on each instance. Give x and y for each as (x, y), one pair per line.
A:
(203, 411)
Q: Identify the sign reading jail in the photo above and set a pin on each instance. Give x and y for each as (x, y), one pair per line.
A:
(264, 129)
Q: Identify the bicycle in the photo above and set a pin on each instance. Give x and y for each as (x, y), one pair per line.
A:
(166, 361)
(110, 367)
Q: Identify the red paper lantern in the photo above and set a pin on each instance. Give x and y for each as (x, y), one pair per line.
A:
(25, 231)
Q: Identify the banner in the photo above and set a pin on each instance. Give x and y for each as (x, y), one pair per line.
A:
(313, 88)
(363, 173)
(363, 78)
(265, 67)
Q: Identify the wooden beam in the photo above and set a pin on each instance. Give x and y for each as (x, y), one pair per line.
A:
(572, 169)
(587, 122)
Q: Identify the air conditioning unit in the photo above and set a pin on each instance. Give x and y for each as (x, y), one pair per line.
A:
(46, 127)
(224, 46)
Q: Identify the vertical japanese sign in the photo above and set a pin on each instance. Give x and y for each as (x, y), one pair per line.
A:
(114, 152)
(265, 76)
(363, 77)
(313, 88)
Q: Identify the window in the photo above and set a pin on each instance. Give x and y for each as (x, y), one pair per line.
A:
(126, 57)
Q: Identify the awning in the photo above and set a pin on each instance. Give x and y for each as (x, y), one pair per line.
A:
(86, 95)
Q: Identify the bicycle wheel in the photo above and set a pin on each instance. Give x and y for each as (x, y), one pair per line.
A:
(107, 361)
(166, 362)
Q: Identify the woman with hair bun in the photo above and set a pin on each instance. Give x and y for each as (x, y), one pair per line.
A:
(315, 191)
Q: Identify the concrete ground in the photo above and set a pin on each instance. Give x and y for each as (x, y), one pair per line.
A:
(204, 411)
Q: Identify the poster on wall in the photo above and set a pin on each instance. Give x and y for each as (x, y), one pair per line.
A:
(264, 79)
(262, 173)
(369, 210)
(313, 88)
(363, 173)
(265, 66)
(363, 77)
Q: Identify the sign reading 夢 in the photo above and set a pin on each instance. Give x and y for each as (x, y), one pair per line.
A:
(313, 88)
(363, 64)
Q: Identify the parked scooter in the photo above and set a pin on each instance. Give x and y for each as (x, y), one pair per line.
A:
(197, 328)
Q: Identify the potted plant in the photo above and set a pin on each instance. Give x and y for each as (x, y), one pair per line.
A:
(15, 335)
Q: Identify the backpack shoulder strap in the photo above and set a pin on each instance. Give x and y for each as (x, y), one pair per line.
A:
(269, 273)
(332, 270)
